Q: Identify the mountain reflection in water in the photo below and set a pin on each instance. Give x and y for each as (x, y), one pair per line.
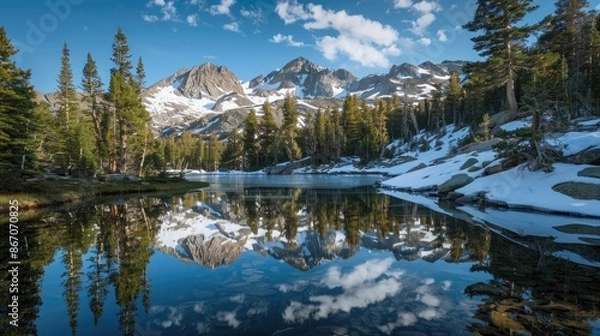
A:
(291, 261)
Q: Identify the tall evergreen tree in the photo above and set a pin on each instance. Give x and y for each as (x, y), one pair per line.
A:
(120, 56)
(566, 37)
(233, 155)
(290, 128)
(17, 117)
(251, 146)
(501, 42)
(67, 95)
(140, 76)
(130, 120)
(267, 132)
(351, 124)
(454, 97)
(91, 84)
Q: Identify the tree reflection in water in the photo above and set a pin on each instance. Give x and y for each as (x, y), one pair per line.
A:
(530, 291)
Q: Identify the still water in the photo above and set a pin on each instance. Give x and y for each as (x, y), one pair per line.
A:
(292, 255)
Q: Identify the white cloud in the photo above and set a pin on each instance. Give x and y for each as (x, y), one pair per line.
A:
(156, 3)
(425, 41)
(425, 9)
(402, 3)
(441, 35)
(192, 20)
(361, 287)
(234, 27)
(403, 320)
(287, 39)
(150, 18)
(419, 26)
(168, 11)
(359, 275)
(365, 41)
(230, 318)
(291, 12)
(255, 15)
(224, 8)
(326, 305)
(426, 6)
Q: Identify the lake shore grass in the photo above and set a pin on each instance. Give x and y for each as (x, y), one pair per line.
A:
(41, 194)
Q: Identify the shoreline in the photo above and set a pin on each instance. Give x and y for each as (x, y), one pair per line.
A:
(56, 193)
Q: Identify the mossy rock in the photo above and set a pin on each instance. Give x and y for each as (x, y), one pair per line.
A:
(474, 169)
(469, 163)
(590, 172)
(579, 190)
(455, 182)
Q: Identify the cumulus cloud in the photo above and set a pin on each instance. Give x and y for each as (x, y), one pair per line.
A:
(402, 3)
(224, 8)
(425, 41)
(168, 11)
(441, 35)
(255, 15)
(234, 27)
(403, 320)
(150, 18)
(365, 41)
(287, 39)
(326, 305)
(230, 318)
(366, 284)
(358, 276)
(425, 9)
(192, 20)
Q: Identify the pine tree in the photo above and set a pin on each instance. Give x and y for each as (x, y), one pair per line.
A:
(566, 37)
(214, 153)
(121, 57)
(17, 118)
(251, 147)
(289, 128)
(351, 124)
(267, 130)
(140, 76)
(67, 96)
(501, 42)
(233, 154)
(91, 83)
(130, 120)
(453, 98)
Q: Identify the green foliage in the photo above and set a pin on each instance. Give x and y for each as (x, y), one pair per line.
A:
(501, 43)
(18, 122)
(251, 143)
(233, 155)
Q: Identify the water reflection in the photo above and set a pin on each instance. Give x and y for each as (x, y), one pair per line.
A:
(292, 261)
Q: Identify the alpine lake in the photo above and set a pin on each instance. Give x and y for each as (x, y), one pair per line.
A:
(291, 255)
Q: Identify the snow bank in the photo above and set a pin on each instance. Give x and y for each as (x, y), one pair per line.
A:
(522, 187)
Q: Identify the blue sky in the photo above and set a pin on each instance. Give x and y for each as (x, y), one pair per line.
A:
(249, 37)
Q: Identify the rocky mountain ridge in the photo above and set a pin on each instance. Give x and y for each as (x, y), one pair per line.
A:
(208, 90)
(192, 98)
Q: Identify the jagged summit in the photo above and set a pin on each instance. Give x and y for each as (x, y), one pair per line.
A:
(304, 79)
(210, 89)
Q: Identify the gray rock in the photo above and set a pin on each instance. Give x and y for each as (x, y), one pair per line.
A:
(480, 146)
(453, 196)
(417, 167)
(579, 190)
(215, 252)
(590, 172)
(455, 182)
(470, 162)
(590, 156)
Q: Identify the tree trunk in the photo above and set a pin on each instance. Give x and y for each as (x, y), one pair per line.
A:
(513, 109)
(141, 171)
